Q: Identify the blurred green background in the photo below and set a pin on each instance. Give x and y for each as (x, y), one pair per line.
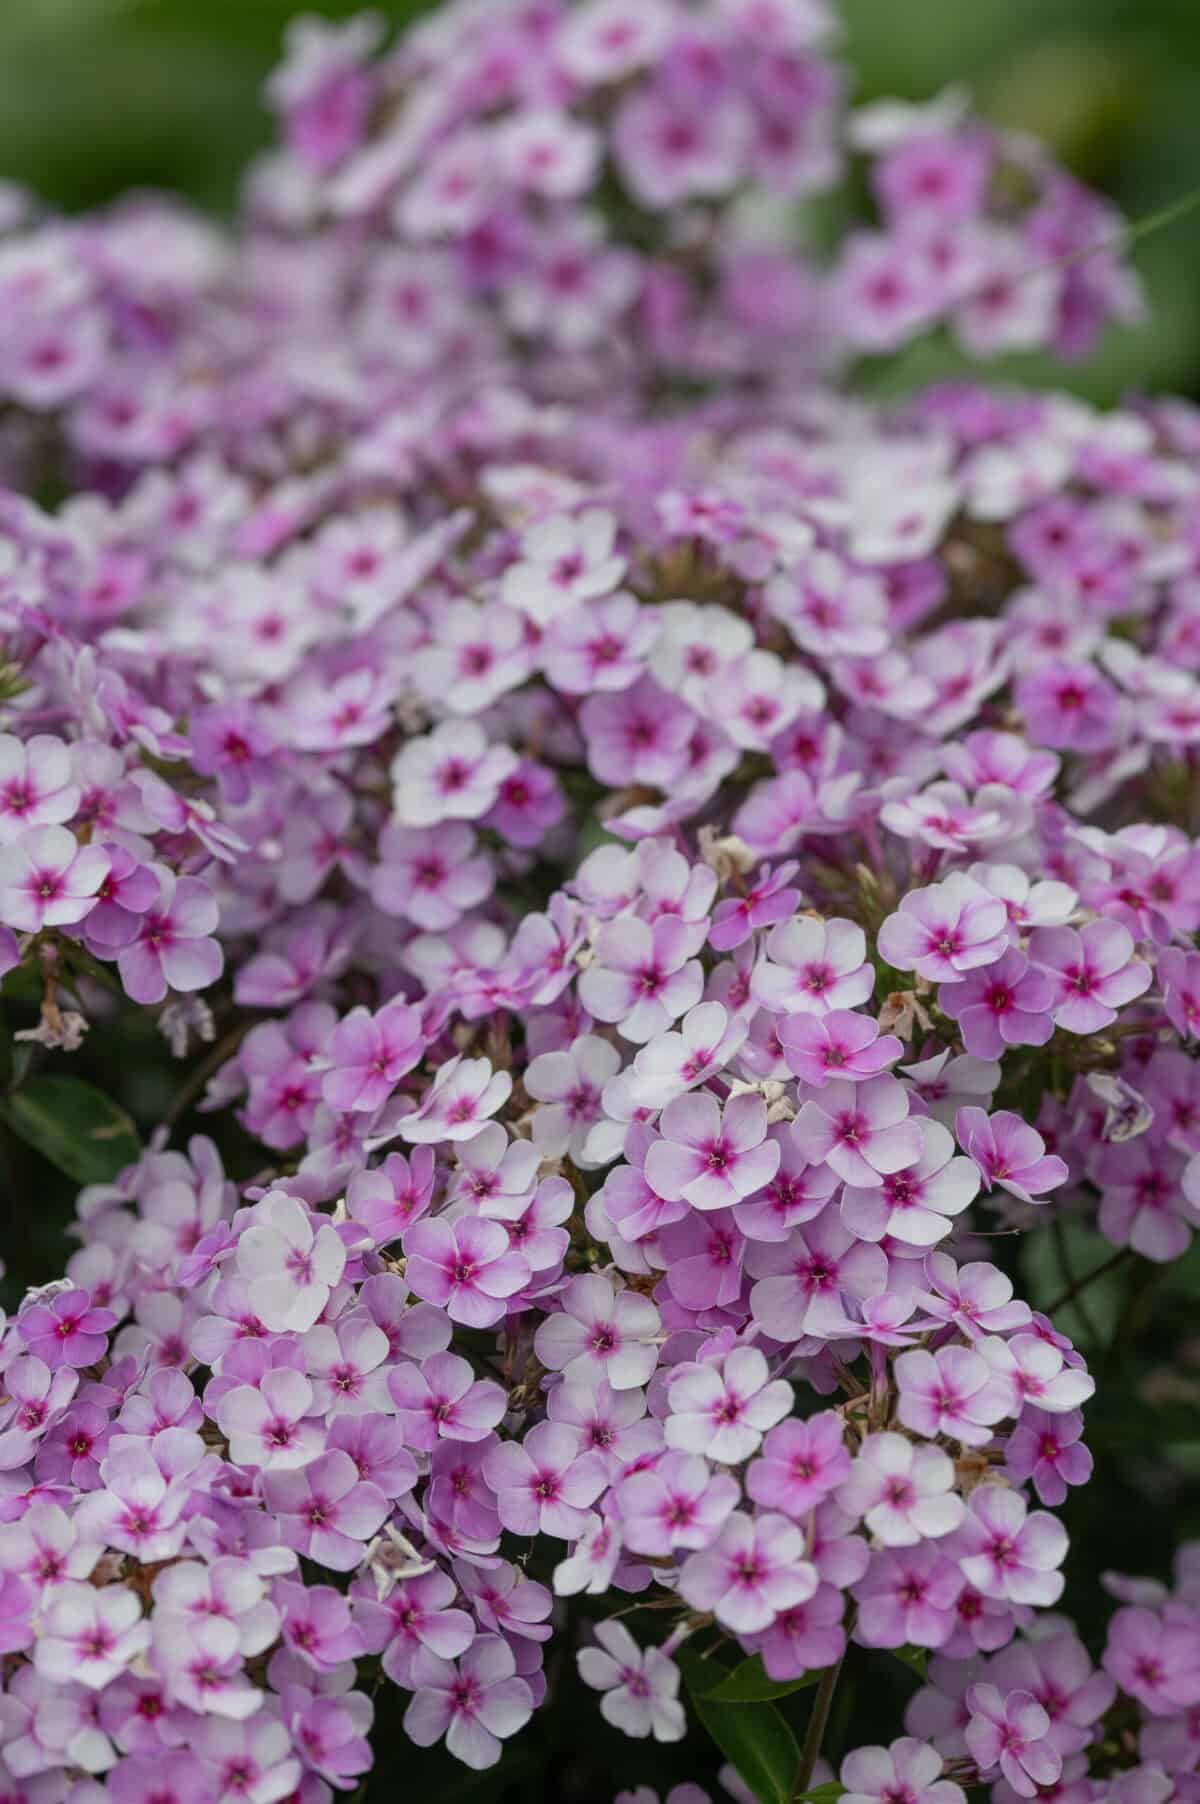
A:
(101, 95)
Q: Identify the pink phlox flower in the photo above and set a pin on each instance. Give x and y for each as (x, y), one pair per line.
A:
(1036, 1372)
(723, 1411)
(706, 1042)
(755, 1568)
(942, 816)
(1005, 1004)
(860, 1130)
(48, 880)
(325, 1510)
(1092, 973)
(600, 1334)
(315, 1623)
(369, 1054)
(766, 903)
(569, 1086)
(640, 1685)
(676, 1502)
(466, 1267)
(917, 1204)
(600, 645)
(803, 1279)
(452, 773)
(544, 1483)
(907, 1596)
(90, 1634)
(430, 876)
(841, 1044)
(457, 1104)
(174, 948)
(952, 1392)
(387, 1199)
(907, 1772)
(813, 967)
(945, 930)
(800, 1463)
(903, 1493)
(1010, 1732)
(67, 1329)
(976, 1297)
(564, 561)
(290, 1266)
(711, 1156)
(475, 1704)
(1009, 1153)
(37, 784)
(443, 1400)
(1006, 1552)
(644, 976)
(345, 1361)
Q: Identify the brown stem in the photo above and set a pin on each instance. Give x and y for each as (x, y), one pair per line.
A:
(1097, 1271)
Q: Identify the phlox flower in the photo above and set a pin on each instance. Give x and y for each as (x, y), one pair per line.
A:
(813, 966)
(755, 1568)
(1005, 1552)
(706, 1041)
(173, 948)
(952, 1392)
(289, 1266)
(1091, 971)
(443, 1399)
(369, 1054)
(600, 1335)
(467, 1267)
(37, 784)
(48, 880)
(1004, 1004)
(677, 1502)
(640, 1685)
(1009, 1153)
(803, 1279)
(711, 1156)
(644, 976)
(430, 876)
(1010, 1733)
(475, 1703)
(916, 1204)
(90, 1634)
(841, 1044)
(452, 773)
(544, 1483)
(799, 1464)
(903, 1493)
(457, 1104)
(325, 1510)
(724, 1411)
(908, 1770)
(564, 561)
(860, 1130)
(945, 930)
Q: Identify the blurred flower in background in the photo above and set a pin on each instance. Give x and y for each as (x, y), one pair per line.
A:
(98, 96)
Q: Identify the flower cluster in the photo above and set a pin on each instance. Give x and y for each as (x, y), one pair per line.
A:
(666, 876)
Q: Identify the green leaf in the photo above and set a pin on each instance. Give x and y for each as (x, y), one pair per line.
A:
(915, 1658)
(752, 1736)
(75, 1126)
(748, 1684)
(829, 1793)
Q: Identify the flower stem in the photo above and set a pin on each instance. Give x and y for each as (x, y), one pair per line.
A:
(817, 1724)
(1097, 1271)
